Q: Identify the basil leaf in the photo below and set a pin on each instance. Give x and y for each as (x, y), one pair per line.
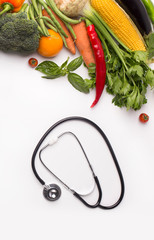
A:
(56, 74)
(64, 64)
(74, 64)
(52, 76)
(78, 82)
(47, 67)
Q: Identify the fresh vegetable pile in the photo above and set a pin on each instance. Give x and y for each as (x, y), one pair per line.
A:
(116, 45)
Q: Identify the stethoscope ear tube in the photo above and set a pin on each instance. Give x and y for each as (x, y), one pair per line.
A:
(97, 204)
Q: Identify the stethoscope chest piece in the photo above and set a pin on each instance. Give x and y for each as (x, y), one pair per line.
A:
(52, 192)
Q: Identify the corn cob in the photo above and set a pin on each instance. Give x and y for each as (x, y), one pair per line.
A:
(120, 23)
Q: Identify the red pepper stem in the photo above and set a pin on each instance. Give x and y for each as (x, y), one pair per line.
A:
(6, 7)
(88, 22)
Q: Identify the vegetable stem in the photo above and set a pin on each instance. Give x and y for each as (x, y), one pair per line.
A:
(49, 25)
(42, 25)
(70, 29)
(105, 45)
(31, 16)
(53, 6)
(49, 20)
(6, 7)
(57, 24)
(34, 3)
(23, 8)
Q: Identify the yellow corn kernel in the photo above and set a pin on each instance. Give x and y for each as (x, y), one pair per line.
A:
(120, 23)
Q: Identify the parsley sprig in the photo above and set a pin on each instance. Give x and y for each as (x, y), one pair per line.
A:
(128, 83)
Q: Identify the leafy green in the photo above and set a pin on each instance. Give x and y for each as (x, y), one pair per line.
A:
(150, 77)
(140, 56)
(128, 84)
(78, 82)
(64, 64)
(48, 67)
(52, 71)
(74, 64)
(150, 44)
(135, 70)
(54, 75)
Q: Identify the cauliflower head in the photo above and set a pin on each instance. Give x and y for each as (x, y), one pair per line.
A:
(71, 8)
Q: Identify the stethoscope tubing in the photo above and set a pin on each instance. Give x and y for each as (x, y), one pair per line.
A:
(96, 179)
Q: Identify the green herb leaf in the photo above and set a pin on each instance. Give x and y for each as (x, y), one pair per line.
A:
(126, 88)
(138, 101)
(150, 78)
(64, 64)
(53, 75)
(150, 44)
(92, 70)
(74, 64)
(92, 67)
(140, 56)
(119, 100)
(131, 98)
(135, 70)
(117, 83)
(47, 67)
(109, 80)
(116, 64)
(78, 82)
(90, 82)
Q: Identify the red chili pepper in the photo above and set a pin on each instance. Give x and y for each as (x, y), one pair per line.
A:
(100, 62)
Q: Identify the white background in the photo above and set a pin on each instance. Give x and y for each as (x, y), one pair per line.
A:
(29, 105)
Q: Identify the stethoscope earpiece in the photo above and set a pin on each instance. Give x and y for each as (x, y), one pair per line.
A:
(52, 192)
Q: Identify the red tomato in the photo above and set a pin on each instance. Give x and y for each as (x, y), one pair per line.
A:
(143, 117)
(33, 62)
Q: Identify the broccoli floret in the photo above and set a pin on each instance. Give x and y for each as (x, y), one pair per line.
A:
(18, 34)
(24, 27)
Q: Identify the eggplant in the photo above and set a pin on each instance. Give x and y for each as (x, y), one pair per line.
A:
(138, 13)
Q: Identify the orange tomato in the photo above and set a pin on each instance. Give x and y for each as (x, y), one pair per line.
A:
(50, 46)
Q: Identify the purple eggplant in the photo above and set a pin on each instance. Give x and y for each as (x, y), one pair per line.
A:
(138, 13)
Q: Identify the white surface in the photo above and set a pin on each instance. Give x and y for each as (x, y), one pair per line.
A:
(29, 106)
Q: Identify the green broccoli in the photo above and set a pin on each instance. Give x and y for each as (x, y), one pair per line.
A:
(18, 33)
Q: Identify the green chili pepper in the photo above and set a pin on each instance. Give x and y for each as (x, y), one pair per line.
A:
(150, 9)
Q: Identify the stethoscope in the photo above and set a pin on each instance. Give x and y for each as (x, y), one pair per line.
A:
(52, 192)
